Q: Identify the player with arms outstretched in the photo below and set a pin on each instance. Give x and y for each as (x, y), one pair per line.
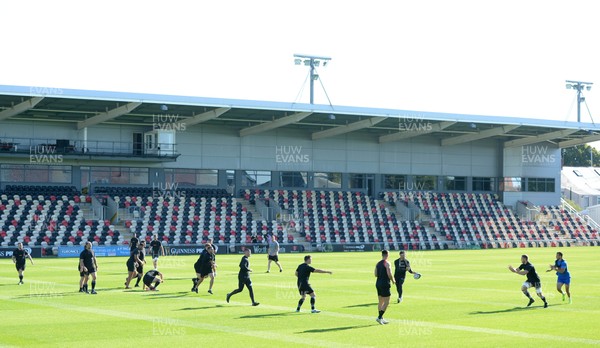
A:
(533, 280)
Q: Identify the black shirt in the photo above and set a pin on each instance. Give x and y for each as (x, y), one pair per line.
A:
(133, 243)
(400, 268)
(532, 276)
(152, 273)
(20, 255)
(133, 254)
(382, 275)
(244, 267)
(88, 258)
(155, 245)
(304, 272)
(205, 260)
(141, 254)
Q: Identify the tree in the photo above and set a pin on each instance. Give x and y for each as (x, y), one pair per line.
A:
(579, 156)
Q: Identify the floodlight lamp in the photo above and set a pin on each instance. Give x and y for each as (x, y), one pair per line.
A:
(307, 62)
(297, 61)
(315, 77)
(569, 86)
(324, 63)
(331, 116)
(588, 87)
(582, 99)
(317, 62)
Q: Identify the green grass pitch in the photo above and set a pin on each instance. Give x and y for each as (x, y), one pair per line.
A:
(466, 298)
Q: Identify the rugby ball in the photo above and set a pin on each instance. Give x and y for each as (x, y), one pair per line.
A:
(417, 275)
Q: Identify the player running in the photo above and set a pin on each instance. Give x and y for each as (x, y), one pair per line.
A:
(132, 264)
(401, 266)
(244, 278)
(157, 250)
(303, 273)
(203, 267)
(273, 254)
(19, 258)
(88, 266)
(564, 277)
(527, 269)
(383, 272)
(152, 276)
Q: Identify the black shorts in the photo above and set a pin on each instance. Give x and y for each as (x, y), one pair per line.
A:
(305, 289)
(399, 281)
(140, 269)
(148, 279)
(20, 266)
(155, 256)
(383, 290)
(274, 258)
(202, 270)
(130, 266)
(244, 281)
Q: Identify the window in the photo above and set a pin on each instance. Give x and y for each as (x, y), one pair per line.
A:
(36, 173)
(484, 184)
(425, 182)
(358, 181)
(327, 180)
(260, 178)
(540, 185)
(293, 179)
(394, 182)
(115, 175)
(455, 183)
(512, 184)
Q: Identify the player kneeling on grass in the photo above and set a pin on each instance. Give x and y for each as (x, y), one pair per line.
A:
(152, 276)
(303, 273)
(533, 279)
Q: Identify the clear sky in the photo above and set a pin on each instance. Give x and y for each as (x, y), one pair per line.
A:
(506, 58)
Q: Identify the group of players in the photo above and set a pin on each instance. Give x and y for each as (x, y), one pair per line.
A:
(206, 267)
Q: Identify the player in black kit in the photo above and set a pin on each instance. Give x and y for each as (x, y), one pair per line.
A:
(203, 267)
(20, 257)
(401, 266)
(533, 279)
(140, 266)
(132, 263)
(156, 250)
(303, 273)
(153, 276)
(88, 266)
(244, 278)
(383, 272)
(133, 243)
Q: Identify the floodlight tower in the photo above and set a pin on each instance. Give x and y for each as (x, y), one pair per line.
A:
(579, 86)
(312, 62)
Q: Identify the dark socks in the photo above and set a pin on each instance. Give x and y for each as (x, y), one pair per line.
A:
(312, 303)
(93, 285)
(526, 293)
(137, 282)
(21, 278)
(251, 293)
(300, 303)
(381, 314)
(156, 284)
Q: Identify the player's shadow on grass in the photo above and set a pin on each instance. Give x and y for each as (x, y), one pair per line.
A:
(362, 305)
(267, 315)
(341, 328)
(199, 308)
(159, 295)
(508, 310)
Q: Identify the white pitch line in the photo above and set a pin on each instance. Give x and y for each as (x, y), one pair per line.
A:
(197, 325)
